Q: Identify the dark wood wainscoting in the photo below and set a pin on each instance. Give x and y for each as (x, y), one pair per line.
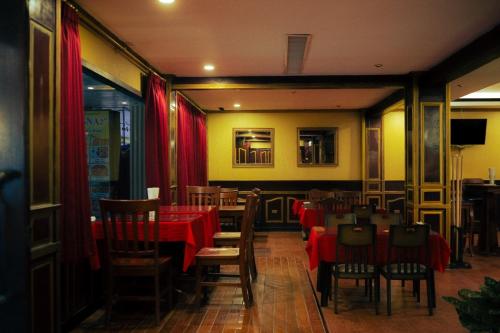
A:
(275, 212)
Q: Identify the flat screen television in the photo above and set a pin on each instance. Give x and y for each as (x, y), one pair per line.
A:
(468, 132)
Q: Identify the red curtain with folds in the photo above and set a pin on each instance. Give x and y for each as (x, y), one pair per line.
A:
(191, 147)
(157, 138)
(75, 211)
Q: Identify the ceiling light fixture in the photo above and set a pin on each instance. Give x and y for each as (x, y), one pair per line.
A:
(124, 103)
(90, 88)
(237, 105)
(379, 65)
(168, 2)
(209, 67)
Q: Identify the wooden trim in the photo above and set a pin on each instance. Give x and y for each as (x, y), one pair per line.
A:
(481, 51)
(287, 111)
(288, 82)
(191, 102)
(387, 102)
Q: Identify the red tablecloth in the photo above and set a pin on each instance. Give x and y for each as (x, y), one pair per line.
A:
(321, 247)
(210, 214)
(309, 217)
(297, 204)
(187, 228)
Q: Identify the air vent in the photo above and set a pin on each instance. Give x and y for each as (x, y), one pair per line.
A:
(298, 45)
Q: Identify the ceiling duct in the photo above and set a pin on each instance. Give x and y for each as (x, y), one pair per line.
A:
(298, 45)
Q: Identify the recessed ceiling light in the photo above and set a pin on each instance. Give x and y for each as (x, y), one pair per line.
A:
(167, 1)
(209, 67)
(378, 65)
(237, 105)
(253, 136)
(124, 103)
(90, 88)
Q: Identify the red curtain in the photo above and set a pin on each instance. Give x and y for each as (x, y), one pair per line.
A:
(191, 147)
(75, 211)
(157, 138)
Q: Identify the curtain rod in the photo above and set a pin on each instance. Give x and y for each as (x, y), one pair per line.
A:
(190, 101)
(89, 21)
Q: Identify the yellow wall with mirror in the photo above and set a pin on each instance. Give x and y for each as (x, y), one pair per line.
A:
(285, 124)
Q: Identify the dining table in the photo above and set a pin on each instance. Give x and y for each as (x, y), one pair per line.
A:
(210, 216)
(321, 249)
(188, 228)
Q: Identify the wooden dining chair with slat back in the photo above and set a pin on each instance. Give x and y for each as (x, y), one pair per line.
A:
(356, 258)
(409, 259)
(363, 212)
(203, 195)
(132, 251)
(214, 256)
(232, 239)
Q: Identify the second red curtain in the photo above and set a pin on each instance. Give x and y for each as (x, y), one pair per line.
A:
(191, 147)
(157, 138)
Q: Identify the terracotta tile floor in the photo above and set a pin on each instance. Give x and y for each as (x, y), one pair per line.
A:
(284, 301)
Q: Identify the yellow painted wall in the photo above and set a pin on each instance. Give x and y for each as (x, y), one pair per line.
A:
(477, 159)
(393, 132)
(285, 125)
(100, 54)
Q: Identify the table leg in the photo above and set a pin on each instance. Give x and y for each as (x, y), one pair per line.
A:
(326, 284)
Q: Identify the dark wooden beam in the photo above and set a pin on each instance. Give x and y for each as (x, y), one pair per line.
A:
(393, 98)
(289, 82)
(481, 51)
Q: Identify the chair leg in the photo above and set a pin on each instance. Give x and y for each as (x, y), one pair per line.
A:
(430, 302)
(244, 286)
(249, 290)
(418, 290)
(109, 299)
(403, 283)
(369, 283)
(389, 310)
(335, 294)
(433, 288)
(157, 298)
(414, 290)
(377, 294)
(170, 287)
(253, 266)
(197, 301)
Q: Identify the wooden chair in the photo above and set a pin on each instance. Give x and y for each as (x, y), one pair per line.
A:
(232, 239)
(346, 200)
(203, 195)
(363, 212)
(228, 198)
(356, 258)
(215, 256)
(316, 195)
(385, 219)
(409, 259)
(128, 255)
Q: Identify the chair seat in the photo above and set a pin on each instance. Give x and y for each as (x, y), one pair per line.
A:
(227, 235)
(411, 269)
(218, 252)
(342, 269)
(139, 263)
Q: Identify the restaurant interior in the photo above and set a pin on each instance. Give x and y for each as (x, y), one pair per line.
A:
(250, 166)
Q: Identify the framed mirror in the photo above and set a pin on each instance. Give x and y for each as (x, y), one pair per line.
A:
(317, 146)
(253, 147)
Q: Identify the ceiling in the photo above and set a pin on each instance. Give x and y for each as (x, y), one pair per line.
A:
(249, 38)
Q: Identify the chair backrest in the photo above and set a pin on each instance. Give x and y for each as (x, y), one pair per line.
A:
(229, 198)
(363, 211)
(203, 195)
(358, 246)
(247, 223)
(385, 219)
(124, 221)
(316, 195)
(334, 219)
(347, 199)
(408, 248)
(228, 189)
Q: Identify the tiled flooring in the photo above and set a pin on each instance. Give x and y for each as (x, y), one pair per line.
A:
(284, 301)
